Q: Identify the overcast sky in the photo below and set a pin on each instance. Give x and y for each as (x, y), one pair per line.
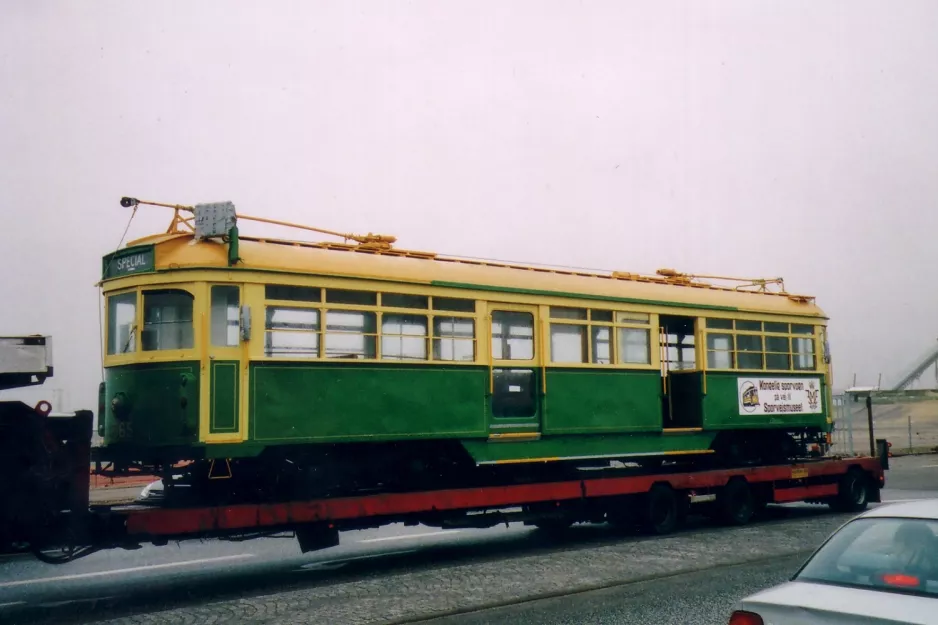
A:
(745, 138)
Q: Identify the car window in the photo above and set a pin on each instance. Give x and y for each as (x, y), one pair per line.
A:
(887, 554)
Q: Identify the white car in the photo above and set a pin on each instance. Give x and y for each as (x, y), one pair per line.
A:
(879, 568)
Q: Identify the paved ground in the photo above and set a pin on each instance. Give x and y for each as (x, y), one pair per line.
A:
(398, 574)
(702, 598)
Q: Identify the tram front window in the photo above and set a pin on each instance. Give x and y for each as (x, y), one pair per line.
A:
(167, 320)
(121, 320)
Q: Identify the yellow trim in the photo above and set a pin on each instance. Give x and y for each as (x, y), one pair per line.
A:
(523, 460)
(686, 453)
(679, 430)
(514, 435)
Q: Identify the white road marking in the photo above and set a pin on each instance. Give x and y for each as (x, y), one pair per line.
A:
(902, 500)
(150, 567)
(423, 535)
(341, 561)
(928, 466)
(11, 603)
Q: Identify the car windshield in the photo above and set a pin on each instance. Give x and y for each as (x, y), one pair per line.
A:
(887, 554)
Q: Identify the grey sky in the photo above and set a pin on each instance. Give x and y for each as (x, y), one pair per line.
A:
(744, 138)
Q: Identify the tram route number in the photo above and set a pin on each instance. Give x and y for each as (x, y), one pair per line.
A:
(125, 430)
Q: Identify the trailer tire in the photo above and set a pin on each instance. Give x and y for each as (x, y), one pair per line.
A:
(735, 503)
(852, 492)
(659, 513)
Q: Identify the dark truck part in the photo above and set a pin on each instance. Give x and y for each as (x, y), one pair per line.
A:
(44, 460)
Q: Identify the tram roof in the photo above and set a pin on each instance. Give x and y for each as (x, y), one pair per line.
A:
(176, 251)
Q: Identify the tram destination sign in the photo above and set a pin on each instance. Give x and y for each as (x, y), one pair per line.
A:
(779, 396)
(129, 261)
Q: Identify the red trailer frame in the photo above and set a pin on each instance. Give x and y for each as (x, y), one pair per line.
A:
(657, 501)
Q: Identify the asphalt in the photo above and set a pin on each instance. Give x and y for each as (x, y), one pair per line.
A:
(702, 597)
(399, 574)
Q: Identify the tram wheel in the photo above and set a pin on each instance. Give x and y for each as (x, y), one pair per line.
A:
(660, 511)
(736, 505)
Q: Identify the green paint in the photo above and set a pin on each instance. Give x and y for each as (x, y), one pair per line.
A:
(331, 402)
(153, 395)
(225, 390)
(721, 406)
(588, 296)
(233, 256)
(608, 445)
(131, 260)
(583, 401)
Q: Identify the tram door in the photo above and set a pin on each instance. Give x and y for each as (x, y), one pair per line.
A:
(224, 366)
(682, 400)
(515, 375)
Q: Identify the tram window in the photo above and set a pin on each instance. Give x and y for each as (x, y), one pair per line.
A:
(225, 320)
(121, 323)
(515, 393)
(777, 328)
(512, 335)
(291, 344)
(749, 351)
(559, 312)
(634, 346)
(568, 343)
(804, 353)
(350, 334)
(778, 352)
(453, 304)
(400, 300)
(293, 293)
(720, 351)
(601, 338)
(720, 324)
(748, 326)
(453, 339)
(601, 315)
(632, 317)
(403, 337)
(356, 298)
(291, 332)
(167, 320)
(799, 328)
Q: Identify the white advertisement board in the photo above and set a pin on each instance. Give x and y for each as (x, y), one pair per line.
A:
(779, 396)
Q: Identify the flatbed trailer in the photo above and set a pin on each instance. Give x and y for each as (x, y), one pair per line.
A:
(657, 502)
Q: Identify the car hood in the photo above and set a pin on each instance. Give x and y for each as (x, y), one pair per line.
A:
(803, 603)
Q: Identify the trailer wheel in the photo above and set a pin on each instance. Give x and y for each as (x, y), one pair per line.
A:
(736, 504)
(659, 512)
(852, 492)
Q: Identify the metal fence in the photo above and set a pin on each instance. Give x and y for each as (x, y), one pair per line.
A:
(909, 422)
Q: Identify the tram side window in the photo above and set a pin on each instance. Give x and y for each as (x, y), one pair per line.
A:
(512, 335)
(225, 322)
(403, 337)
(167, 320)
(350, 334)
(121, 323)
(454, 339)
(291, 332)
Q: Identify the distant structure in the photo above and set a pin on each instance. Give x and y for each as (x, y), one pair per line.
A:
(917, 368)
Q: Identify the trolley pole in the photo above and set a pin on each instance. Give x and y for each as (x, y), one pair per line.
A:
(869, 416)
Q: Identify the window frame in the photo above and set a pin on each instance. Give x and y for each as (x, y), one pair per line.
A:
(163, 289)
(594, 317)
(718, 328)
(428, 312)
